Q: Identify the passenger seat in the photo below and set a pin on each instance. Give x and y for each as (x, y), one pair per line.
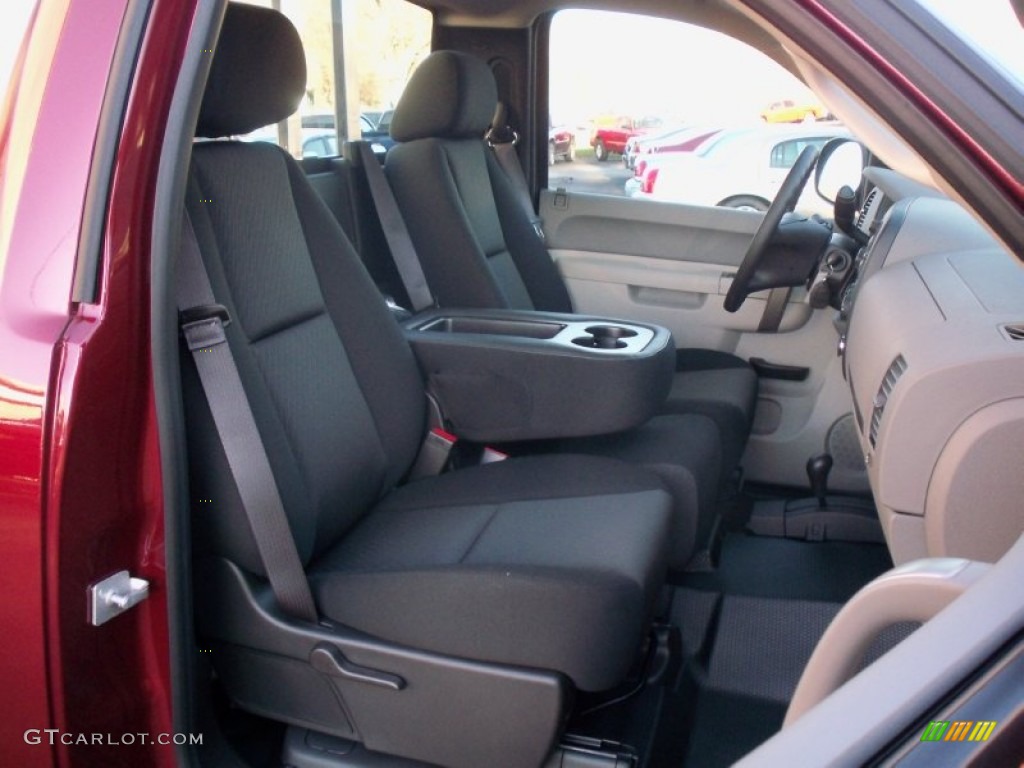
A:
(511, 583)
(478, 247)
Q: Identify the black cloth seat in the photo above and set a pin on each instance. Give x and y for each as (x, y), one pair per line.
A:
(683, 450)
(479, 249)
(551, 562)
(519, 563)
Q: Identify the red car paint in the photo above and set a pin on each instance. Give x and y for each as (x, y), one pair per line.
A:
(612, 137)
(80, 485)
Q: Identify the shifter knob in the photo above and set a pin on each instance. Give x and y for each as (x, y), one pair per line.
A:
(818, 468)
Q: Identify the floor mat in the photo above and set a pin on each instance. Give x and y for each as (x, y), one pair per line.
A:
(727, 727)
(761, 566)
(748, 629)
(762, 646)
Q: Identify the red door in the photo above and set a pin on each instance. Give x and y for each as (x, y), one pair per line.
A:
(80, 485)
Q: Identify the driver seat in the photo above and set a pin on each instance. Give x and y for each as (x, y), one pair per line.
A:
(479, 249)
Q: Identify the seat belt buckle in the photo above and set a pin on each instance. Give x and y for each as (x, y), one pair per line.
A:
(203, 326)
(400, 313)
(434, 454)
(204, 312)
(491, 455)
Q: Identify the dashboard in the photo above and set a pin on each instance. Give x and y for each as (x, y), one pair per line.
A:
(931, 331)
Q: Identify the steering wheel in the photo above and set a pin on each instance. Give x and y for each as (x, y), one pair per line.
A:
(785, 201)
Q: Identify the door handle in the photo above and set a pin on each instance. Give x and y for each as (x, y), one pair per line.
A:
(767, 370)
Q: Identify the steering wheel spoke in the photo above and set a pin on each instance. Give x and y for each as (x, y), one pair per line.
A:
(790, 237)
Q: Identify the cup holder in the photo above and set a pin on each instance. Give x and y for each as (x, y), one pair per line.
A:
(604, 337)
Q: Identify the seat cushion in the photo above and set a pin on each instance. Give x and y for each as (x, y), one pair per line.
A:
(551, 562)
(722, 387)
(684, 450)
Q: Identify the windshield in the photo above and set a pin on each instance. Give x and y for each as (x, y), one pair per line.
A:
(16, 17)
(990, 27)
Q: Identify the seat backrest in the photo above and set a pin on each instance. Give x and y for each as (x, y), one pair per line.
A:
(333, 385)
(476, 245)
(344, 189)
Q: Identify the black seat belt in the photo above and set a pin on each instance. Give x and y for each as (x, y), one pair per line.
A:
(503, 140)
(403, 252)
(202, 323)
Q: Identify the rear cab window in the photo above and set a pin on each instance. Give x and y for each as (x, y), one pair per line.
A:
(354, 77)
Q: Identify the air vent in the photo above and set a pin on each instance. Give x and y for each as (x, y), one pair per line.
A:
(896, 369)
(867, 213)
(1015, 331)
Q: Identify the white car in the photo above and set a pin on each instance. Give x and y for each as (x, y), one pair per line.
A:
(739, 168)
(677, 140)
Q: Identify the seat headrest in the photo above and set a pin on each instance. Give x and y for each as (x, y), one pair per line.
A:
(258, 75)
(451, 95)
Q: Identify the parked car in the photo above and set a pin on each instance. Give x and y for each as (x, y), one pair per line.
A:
(650, 157)
(861, 608)
(374, 127)
(378, 132)
(677, 140)
(374, 116)
(320, 139)
(739, 168)
(320, 143)
(790, 111)
(610, 134)
(561, 144)
(316, 142)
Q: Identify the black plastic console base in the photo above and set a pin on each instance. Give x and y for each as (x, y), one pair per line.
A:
(585, 752)
(508, 376)
(304, 748)
(843, 518)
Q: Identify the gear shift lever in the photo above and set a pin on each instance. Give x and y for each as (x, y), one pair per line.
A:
(818, 468)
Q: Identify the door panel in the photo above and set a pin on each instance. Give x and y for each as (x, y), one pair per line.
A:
(672, 265)
(685, 297)
(671, 231)
(798, 419)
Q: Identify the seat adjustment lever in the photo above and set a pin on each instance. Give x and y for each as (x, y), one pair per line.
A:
(330, 661)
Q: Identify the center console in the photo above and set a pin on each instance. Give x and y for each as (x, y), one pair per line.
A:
(507, 375)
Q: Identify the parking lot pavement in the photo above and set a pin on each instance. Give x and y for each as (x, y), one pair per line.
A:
(585, 174)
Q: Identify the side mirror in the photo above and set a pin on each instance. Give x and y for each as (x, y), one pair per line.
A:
(840, 164)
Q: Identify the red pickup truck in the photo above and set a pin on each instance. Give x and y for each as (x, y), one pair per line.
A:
(611, 134)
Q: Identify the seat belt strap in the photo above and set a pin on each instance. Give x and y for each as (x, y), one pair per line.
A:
(403, 252)
(202, 323)
(774, 309)
(508, 161)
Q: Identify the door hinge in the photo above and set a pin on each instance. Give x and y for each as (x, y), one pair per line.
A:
(114, 595)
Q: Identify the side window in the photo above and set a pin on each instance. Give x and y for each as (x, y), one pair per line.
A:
(351, 87)
(696, 117)
(784, 154)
